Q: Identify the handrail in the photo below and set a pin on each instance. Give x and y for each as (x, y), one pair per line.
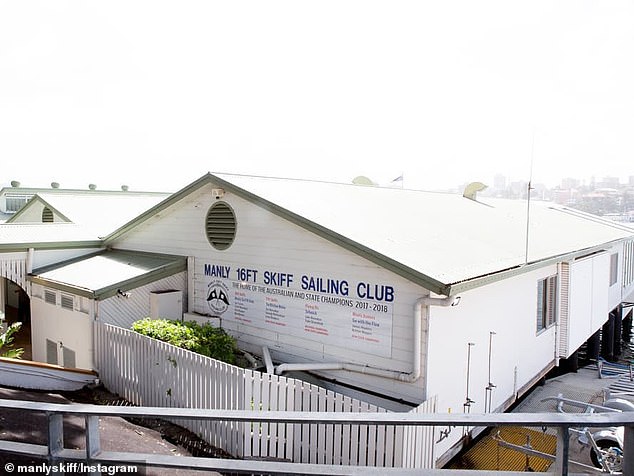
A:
(55, 451)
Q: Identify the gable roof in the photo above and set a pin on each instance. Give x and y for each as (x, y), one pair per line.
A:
(442, 241)
(101, 212)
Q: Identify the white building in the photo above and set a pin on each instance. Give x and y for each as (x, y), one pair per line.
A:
(389, 293)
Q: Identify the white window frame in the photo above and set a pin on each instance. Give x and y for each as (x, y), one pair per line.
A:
(547, 302)
(614, 268)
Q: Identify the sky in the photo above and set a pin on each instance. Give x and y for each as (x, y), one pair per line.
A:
(154, 94)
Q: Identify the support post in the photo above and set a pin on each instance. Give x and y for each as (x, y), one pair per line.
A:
(628, 450)
(93, 445)
(55, 435)
(593, 347)
(618, 330)
(563, 451)
(607, 339)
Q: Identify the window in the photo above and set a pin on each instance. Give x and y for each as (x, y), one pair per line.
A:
(546, 302)
(47, 215)
(614, 268)
(15, 202)
(220, 225)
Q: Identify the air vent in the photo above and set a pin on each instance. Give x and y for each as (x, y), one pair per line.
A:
(50, 297)
(67, 302)
(47, 215)
(220, 226)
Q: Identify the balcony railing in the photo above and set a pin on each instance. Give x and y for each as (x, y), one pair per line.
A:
(55, 452)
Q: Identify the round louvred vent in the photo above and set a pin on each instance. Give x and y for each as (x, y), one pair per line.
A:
(220, 226)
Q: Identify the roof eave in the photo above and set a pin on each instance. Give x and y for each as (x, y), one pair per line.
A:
(479, 281)
(176, 266)
(428, 282)
(169, 201)
(53, 245)
(67, 288)
(377, 258)
(138, 281)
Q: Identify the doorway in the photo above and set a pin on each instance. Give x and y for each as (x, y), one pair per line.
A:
(15, 306)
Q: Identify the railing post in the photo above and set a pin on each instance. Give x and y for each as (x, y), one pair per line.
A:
(563, 450)
(55, 435)
(93, 446)
(628, 450)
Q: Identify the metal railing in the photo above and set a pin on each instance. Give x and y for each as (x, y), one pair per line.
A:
(54, 451)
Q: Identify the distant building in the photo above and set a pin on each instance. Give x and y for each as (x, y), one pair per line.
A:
(609, 182)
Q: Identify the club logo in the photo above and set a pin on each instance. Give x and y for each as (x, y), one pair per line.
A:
(217, 297)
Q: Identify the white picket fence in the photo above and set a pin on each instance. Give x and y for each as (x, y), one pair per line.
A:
(148, 372)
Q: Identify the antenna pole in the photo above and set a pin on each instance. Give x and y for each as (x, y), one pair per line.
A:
(528, 198)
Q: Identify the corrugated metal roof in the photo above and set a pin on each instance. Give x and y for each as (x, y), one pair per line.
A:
(102, 212)
(100, 275)
(21, 234)
(441, 235)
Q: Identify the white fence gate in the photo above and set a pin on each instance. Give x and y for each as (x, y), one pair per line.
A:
(148, 372)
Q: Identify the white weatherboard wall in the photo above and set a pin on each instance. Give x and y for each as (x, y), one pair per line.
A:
(71, 329)
(267, 243)
(518, 353)
(588, 298)
(121, 311)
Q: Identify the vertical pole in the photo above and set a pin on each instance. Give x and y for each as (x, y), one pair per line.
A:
(563, 450)
(93, 445)
(55, 435)
(628, 450)
(488, 401)
(593, 347)
(618, 330)
(468, 401)
(607, 338)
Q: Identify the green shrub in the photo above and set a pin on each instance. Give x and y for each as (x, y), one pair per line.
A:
(6, 339)
(206, 340)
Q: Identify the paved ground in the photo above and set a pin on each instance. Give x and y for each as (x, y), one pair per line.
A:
(583, 385)
(116, 434)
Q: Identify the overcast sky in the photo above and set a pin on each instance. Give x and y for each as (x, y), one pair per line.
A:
(154, 94)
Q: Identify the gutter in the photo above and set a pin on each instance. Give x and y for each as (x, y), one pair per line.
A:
(366, 369)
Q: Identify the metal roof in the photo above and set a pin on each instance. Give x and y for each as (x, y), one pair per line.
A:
(102, 212)
(442, 241)
(442, 235)
(100, 276)
(21, 236)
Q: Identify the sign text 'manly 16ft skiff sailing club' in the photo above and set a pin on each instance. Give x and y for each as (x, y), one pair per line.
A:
(338, 312)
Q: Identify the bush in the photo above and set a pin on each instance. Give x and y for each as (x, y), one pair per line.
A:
(211, 341)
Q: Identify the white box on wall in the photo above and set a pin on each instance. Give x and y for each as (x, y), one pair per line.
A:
(166, 304)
